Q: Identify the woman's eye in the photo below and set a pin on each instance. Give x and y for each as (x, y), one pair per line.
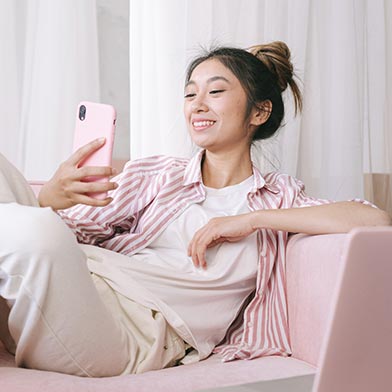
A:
(189, 95)
(216, 91)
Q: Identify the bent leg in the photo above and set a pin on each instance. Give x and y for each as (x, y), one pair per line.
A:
(5, 336)
(57, 317)
(13, 188)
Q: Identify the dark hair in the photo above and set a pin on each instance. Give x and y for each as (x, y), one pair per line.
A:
(264, 72)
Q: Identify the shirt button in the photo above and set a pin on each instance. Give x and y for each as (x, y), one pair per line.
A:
(177, 208)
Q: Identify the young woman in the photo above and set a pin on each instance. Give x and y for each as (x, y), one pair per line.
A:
(186, 256)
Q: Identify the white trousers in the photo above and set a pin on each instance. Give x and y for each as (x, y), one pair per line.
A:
(61, 317)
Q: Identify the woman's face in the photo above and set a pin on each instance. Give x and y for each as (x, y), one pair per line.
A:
(215, 108)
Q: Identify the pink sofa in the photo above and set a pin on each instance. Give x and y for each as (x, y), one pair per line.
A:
(312, 267)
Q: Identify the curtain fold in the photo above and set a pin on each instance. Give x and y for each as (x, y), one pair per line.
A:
(49, 63)
(10, 72)
(341, 51)
(330, 149)
(377, 117)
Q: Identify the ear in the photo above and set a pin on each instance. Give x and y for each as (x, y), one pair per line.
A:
(261, 113)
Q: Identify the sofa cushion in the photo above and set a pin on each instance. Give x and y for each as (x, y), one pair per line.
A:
(209, 373)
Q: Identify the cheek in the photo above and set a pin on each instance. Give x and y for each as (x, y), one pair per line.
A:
(239, 110)
(186, 111)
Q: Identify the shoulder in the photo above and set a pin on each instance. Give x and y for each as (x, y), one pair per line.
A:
(291, 191)
(284, 182)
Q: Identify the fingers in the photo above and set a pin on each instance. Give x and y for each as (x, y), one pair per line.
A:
(83, 152)
(86, 193)
(216, 231)
(92, 201)
(92, 187)
(197, 253)
(76, 173)
(72, 185)
(203, 239)
(95, 171)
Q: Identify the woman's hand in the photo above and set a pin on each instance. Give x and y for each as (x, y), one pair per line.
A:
(67, 188)
(216, 231)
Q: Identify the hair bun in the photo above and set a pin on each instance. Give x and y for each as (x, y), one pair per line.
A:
(276, 57)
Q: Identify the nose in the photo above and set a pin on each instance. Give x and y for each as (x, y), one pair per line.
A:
(199, 105)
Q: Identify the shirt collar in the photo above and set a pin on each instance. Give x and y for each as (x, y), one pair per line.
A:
(193, 170)
(192, 175)
(259, 182)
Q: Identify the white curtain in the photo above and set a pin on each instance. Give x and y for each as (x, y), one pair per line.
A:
(341, 49)
(48, 63)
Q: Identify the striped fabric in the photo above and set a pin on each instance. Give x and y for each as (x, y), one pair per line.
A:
(153, 191)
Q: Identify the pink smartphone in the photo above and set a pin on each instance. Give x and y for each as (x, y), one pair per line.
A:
(93, 121)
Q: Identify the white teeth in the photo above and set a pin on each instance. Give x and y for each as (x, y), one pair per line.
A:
(205, 123)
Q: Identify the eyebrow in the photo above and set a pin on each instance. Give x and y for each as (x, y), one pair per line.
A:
(210, 80)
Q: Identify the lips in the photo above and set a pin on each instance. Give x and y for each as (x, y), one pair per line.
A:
(202, 124)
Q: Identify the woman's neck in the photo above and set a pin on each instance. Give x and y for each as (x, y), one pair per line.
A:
(224, 169)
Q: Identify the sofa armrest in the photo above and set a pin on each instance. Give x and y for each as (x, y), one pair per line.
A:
(312, 267)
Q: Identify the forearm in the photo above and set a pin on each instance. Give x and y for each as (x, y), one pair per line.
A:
(337, 217)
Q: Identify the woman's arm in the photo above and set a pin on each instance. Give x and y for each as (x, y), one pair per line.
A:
(337, 217)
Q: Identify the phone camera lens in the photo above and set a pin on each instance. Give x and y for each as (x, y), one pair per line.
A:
(82, 112)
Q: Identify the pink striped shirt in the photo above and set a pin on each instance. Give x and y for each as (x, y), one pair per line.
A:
(154, 191)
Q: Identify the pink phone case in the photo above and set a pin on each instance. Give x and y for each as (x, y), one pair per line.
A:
(93, 121)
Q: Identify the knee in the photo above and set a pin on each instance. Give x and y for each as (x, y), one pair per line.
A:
(36, 230)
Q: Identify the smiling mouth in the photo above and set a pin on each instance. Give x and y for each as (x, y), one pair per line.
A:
(198, 125)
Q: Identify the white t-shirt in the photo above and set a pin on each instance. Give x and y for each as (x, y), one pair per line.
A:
(208, 300)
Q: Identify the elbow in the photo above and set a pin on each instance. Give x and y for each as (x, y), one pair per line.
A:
(373, 216)
(380, 218)
(385, 219)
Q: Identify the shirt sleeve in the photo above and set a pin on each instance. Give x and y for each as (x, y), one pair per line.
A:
(93, 225)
